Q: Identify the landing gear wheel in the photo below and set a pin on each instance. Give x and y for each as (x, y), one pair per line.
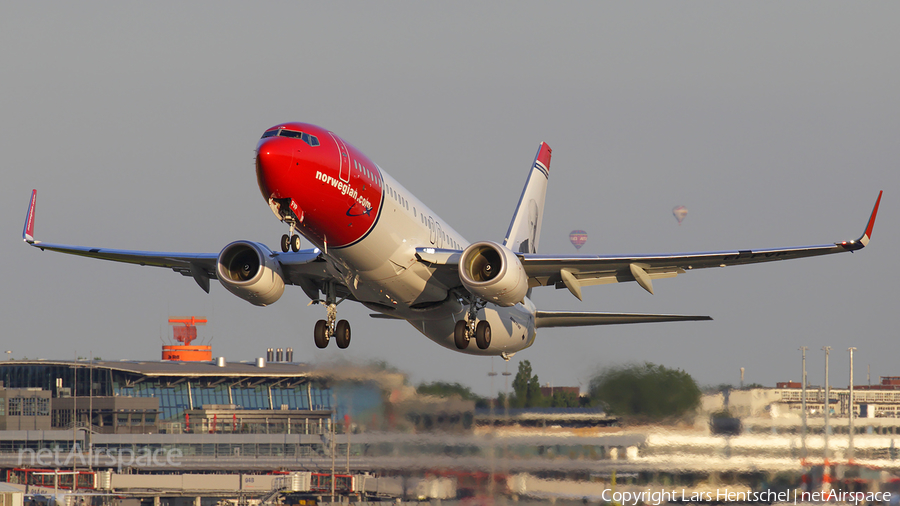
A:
(295, 243)
(321, 334)
(483, 335)
(285, 243)
(342, 334)
(461, 334)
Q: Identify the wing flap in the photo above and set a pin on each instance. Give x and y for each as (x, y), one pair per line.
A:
(545, 319)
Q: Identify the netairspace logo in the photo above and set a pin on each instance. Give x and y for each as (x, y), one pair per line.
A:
(143, 457)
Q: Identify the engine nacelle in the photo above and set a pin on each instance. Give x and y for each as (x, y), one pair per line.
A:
(248, 270)
(493, 273)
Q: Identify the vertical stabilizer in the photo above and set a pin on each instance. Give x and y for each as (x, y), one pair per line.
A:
(525, 227)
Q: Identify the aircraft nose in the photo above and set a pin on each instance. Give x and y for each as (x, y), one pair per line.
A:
(273, 162)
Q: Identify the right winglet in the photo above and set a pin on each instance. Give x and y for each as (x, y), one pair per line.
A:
(28, 231)
(863, 241)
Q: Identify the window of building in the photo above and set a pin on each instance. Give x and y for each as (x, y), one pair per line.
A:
(293, 398)
(61, 418)
(251, 398)
(210, 395)
(320, 396)
(15, 406)
(28, 406)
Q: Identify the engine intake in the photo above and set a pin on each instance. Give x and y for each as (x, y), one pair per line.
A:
(248, 270)
(494, 273)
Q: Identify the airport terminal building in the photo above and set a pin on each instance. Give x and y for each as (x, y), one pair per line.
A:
(143, 397)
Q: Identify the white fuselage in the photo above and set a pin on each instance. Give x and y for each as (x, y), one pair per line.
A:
(382, 271)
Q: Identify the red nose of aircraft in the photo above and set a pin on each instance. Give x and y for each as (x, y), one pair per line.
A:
(274, 156)
(331, 192)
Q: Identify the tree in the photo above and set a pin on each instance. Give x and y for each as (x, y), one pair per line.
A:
(444, 389)
(645, 392)
(564, 400)
(526, 388)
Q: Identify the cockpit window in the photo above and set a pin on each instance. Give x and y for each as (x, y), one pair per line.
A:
(312, 140)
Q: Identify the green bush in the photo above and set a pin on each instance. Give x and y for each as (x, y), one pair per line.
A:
(647, 392)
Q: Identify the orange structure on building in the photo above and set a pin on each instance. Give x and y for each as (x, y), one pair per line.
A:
(185, 331)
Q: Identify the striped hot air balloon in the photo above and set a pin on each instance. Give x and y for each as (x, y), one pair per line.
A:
(578, 238)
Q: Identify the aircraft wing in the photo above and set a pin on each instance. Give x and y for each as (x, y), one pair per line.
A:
(575, 272)
(298, 267)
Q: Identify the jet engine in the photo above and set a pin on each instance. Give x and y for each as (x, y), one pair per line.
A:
(493, 272)
(248, 270)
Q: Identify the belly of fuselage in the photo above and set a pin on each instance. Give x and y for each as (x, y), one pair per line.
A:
(512, 330)
(400, 286)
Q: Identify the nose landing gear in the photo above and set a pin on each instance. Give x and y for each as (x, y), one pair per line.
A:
(287, 213)
(290, 242)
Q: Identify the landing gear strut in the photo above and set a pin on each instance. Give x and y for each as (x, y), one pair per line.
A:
(466, 329)
(331, 326)
(282, 208)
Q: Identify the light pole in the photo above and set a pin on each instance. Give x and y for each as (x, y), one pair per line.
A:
(8, 355)
(491, 375)
(506, 375)
(850, 444)
(803, 404)
(827, 404)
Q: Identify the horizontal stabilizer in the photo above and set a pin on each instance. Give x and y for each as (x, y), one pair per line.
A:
(543, 319)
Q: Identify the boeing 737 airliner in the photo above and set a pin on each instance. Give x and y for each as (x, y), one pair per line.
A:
(377, 244)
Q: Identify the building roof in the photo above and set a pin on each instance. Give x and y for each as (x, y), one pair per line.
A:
(298, 371)
(544, 413)
(186, 369)
(9, 487)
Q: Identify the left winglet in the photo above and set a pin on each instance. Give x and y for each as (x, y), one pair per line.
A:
(28, 231)
(863, 241)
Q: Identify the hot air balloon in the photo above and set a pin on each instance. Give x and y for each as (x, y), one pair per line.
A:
(578, 238)
(679, 212)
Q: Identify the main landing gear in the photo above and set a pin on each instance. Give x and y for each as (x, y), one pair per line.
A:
(331, 326)
(468, 328)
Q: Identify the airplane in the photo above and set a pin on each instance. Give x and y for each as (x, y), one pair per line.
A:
(377, 244)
